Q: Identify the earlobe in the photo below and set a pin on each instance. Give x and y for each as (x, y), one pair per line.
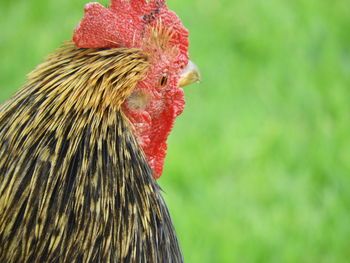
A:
(138, 100)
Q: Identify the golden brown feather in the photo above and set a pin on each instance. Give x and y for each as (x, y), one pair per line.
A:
(74, 184)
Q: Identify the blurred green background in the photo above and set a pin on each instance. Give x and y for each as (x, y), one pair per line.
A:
(258, 164)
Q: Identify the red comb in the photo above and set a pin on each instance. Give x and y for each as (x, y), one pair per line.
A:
(125, 24)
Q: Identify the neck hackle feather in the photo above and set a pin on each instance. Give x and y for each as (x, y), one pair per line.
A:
(74, 184)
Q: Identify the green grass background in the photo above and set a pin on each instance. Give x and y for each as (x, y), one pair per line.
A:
(258, 164)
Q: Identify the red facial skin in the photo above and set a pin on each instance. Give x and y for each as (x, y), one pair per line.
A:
(158, 31)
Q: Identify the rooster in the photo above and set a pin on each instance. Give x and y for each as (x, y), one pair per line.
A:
(82, 143)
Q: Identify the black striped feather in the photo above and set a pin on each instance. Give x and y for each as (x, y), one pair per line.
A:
(74, 184)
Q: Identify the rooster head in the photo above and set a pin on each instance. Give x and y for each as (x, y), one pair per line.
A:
(159, 98)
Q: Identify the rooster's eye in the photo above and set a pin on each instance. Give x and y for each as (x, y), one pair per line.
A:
(163, 80)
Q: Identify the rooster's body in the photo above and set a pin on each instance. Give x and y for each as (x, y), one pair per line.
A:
(77, 167)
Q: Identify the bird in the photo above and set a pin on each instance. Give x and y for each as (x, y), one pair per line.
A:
(84, 140)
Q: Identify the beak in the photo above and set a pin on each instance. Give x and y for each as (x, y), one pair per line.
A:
(189, 75)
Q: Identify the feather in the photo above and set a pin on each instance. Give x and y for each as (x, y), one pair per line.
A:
(74, 184)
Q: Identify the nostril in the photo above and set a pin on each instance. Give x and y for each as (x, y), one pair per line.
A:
(138, 100)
